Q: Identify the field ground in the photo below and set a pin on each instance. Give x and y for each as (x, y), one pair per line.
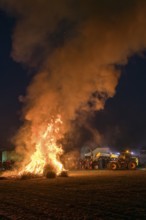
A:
(83, 195)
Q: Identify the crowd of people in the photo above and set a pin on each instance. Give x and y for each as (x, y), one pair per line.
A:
(89, 163)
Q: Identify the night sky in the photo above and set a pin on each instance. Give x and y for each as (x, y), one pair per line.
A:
(13, 81)
(123, 120)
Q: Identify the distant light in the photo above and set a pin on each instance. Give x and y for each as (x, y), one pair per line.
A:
(132, 152)
(127, 151)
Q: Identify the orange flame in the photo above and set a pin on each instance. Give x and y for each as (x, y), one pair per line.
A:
(46, 150)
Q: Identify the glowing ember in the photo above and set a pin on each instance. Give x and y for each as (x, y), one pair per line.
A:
(46, 150)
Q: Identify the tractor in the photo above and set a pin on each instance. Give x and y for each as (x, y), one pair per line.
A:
(124, 161)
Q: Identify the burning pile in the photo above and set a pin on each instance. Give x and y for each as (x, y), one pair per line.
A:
(47, 152)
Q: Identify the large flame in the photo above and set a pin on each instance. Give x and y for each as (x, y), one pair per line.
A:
(47, 152)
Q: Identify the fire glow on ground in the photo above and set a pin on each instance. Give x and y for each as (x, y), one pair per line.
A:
(82, 195)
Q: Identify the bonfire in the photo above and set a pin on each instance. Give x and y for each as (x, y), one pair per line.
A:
(47, 152)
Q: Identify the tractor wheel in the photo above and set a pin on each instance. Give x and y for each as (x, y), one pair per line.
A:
(131, 165)
(113, 166)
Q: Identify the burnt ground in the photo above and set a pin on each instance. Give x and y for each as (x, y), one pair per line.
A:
(83, 195)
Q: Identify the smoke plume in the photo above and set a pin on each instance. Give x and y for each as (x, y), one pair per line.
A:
(75, 45)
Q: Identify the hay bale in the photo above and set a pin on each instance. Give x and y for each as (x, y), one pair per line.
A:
(26, 176)
(50, 174)
(49, 171)
(63, 174)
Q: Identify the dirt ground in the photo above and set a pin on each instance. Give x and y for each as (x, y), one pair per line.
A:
(83, 195)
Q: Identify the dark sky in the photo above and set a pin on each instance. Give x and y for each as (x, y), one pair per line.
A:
(123, 121)
(13, 82)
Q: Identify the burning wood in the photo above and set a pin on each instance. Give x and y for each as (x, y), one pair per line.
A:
(45, 159)
(47, 152)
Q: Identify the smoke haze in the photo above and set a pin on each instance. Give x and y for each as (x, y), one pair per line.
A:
(75, 45)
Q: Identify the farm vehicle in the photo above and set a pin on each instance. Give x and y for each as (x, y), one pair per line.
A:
(124, 161)
(102, 160)
(96, 159)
